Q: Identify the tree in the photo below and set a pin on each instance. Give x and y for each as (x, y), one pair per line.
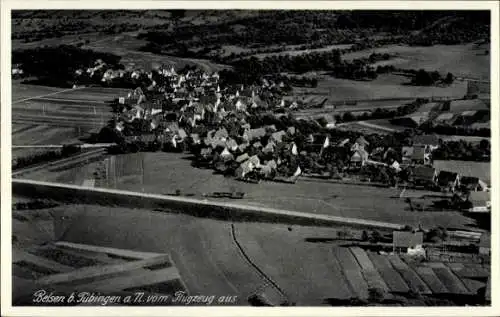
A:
(364, 236)
(449, 79)
(376, 295)
(423, 78)
(347, 117)
(375, 236)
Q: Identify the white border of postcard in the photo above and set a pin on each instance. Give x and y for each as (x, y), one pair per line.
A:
(6, 268)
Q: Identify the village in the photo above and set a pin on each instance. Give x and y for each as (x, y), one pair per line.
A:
(251, 133)
(265, 157)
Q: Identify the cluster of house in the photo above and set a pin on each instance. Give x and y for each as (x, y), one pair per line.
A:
(191, 109)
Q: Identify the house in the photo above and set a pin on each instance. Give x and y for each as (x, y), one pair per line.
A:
(404, 241)
(412, 121)
(269, 148)
(359, 158)
(407, 154)
(481, 170)
(429, 141)
(242, 158)
(481, 202)
(485, 244)
(252, 134)
(447, 181)
(472, 184)
(416, 155)
(278, 136)
(231, 144)
(360, 143)
(396, 166)
(424, 176)
(244, 168)
(420, 155)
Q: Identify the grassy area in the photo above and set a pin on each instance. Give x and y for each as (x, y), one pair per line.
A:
(213, 258)
(22, 91)
(64, 107)
(385, 86)
(165, 173)
(466, 60)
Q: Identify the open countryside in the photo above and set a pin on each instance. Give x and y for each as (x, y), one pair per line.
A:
(341, 160)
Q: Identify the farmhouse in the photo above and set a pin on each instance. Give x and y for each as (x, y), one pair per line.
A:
(480, 201)
(411, 121)
(403, 241)
(485, 244)
(448, 181)
(480, 170)
(416, 155)
(429, 141)
(359, 158)
(424, 176)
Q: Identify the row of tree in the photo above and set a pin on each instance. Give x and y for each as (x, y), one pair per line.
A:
(37, 158)
(57, 65)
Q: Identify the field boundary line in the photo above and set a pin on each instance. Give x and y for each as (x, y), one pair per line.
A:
(41, 96)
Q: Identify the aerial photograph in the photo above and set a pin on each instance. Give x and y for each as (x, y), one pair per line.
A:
(330, 158)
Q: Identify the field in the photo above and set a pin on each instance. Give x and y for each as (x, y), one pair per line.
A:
(212, 257)
(385, 86)
(467, 60)
(294, 52)
(44, 115)
(127, 46)
(165, 173)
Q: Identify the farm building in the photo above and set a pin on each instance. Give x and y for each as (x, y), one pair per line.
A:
(472, 184)
(402, 241)
(429, 141)
(481, 202)
(411, 121)
(445, 118)
(447, 181)
(481, 170)
(424, 175)
(485, 244)
(359, 158)
(416, 155)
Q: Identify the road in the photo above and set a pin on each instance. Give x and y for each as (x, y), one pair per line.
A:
(216, 209)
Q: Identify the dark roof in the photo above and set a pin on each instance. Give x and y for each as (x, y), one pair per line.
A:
(481, 170)
(424, 172)
(418, 153)
(467, 180)
(479, 198)
(426, 139)
(407, 239)
(445, 177)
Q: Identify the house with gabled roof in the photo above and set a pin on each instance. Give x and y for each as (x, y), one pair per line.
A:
(448, 181)
(428, 141)
(480, 201)
(402, 241)
(424, 175)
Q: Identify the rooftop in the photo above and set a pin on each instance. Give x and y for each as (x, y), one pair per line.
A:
(481, 170)
(405, 239)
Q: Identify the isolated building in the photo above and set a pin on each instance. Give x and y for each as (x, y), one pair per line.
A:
(402, 241)
(480, 202)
